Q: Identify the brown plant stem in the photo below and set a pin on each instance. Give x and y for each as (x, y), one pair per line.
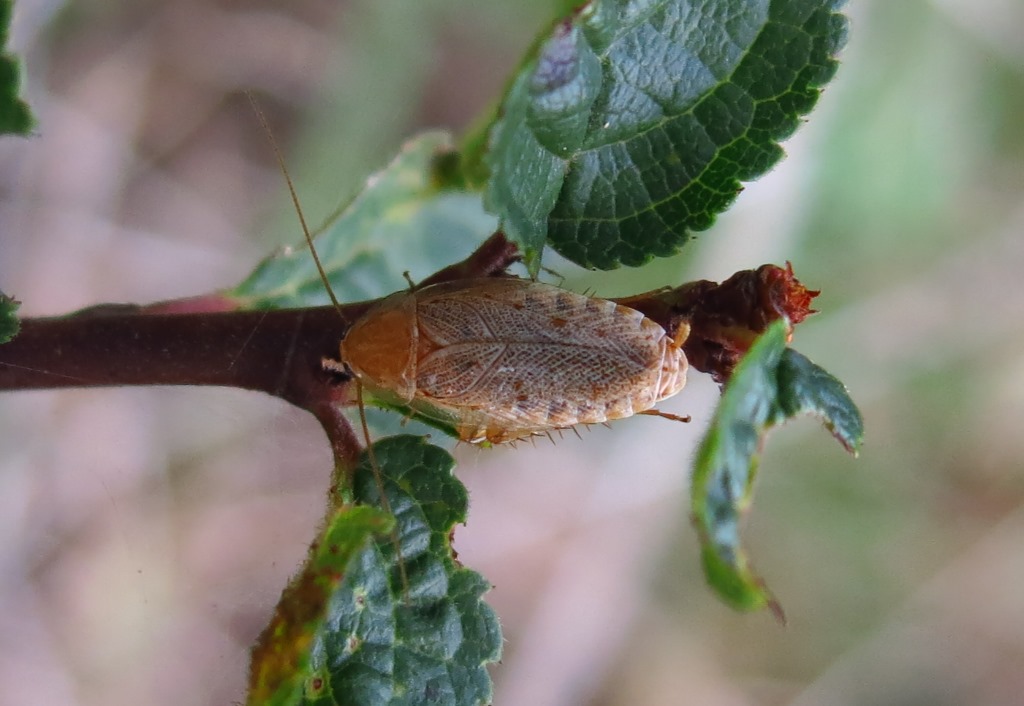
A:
(272, 351)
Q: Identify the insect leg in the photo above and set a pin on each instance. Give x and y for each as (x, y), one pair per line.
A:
(665, 415)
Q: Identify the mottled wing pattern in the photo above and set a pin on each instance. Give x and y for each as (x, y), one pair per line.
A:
(513, 357)
(450, 319)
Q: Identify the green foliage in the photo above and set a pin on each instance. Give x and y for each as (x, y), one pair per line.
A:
(804, 388)
(628, 129)
(636, 122)
(280, 671)
(409, 207)
(15, 117)
(424, 638)
(771, 384)
(8, 318)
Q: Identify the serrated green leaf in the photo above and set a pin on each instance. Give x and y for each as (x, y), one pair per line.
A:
(280, 670)
(409, 218)
(9, 325)
(804, 388)
(15, 116)
(426, 642)
(637, 121)
(770, 385)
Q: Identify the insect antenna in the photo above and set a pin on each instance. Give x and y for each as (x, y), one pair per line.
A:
(377, 474)
(295, 202)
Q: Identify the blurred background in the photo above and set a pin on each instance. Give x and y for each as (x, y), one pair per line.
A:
(147, 533)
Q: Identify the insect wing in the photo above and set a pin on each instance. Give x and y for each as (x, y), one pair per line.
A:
(516, 357)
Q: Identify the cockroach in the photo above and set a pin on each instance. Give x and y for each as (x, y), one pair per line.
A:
(502, 358)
